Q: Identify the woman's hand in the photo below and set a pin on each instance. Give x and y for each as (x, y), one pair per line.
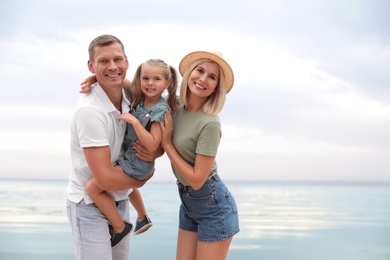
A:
(167, 130)
(86, 85)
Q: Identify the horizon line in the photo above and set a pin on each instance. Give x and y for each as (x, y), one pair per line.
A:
(228, 180)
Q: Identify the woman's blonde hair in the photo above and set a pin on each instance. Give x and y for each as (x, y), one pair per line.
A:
(216, 100)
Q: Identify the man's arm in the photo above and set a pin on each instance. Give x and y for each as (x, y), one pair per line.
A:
(106, 176)
(144, 154)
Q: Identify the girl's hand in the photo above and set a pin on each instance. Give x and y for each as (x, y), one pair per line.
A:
(86, 85)
(129, 118)
(167, 130)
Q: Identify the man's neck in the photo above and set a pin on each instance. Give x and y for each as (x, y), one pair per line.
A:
(115, 96)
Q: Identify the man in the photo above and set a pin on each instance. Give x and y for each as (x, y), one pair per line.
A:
(96, 139)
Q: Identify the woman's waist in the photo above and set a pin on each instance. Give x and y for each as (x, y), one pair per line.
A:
(212, 178)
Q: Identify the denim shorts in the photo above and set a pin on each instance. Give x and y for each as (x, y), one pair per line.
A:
(211, 211)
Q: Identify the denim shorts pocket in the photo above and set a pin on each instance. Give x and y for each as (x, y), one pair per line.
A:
(205, 192)
(232, 202)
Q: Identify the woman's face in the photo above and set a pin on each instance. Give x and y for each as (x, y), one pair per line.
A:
(204, 79)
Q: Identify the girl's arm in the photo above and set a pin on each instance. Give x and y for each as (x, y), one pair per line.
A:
(195, 176)
(86, 84)
(151, 140)
(126, 83)
(144, 154)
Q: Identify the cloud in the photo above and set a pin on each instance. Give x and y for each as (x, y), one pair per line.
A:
(310, 100)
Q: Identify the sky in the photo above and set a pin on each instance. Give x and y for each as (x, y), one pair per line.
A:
(311, 99)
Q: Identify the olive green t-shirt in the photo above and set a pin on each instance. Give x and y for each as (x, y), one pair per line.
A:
(195, 133)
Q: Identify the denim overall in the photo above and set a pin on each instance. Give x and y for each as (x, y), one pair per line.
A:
(130, 164)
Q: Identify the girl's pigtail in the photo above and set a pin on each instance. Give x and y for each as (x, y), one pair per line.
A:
(172, 99)
(135, 88)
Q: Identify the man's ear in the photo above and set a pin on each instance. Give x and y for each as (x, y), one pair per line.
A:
(90, 67)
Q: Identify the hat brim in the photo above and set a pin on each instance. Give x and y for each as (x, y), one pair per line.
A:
(190, 58)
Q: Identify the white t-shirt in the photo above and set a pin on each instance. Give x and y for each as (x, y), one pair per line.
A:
(94, 124)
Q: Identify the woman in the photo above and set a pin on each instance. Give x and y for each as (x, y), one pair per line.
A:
(208, 213)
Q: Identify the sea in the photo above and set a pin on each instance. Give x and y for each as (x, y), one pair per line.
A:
(278, 221)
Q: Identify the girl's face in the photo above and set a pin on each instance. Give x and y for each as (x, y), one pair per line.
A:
(204, 79)
(153, 81)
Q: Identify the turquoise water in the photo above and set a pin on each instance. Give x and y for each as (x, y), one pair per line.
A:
(278, 221)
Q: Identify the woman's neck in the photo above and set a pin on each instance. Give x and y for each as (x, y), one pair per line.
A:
(195, 104)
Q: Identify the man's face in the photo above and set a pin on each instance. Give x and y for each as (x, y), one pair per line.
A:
(109, 66)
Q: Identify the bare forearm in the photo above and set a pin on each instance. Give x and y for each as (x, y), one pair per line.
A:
(106, 176)
(185, 169)
(146, 137)
(145, 155)
(126, 83)
(118, 180)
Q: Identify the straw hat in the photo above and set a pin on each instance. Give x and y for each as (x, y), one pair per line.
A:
(215, 56)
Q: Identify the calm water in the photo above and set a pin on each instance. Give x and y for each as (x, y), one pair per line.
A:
(324, 221)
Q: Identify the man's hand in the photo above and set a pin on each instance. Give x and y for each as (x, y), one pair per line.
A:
(144, 154)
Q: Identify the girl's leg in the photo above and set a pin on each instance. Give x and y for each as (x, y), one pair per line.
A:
(137, 202)
(106, 204)
(213, 250)
(187, 243)
(143, 222)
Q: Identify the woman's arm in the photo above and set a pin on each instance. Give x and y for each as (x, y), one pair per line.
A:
(195, 176)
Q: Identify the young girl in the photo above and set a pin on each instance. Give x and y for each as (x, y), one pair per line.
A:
(147, 109)
(208, 216)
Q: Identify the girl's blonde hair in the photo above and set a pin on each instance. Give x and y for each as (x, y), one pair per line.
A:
(216, 100)
(134, 90)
